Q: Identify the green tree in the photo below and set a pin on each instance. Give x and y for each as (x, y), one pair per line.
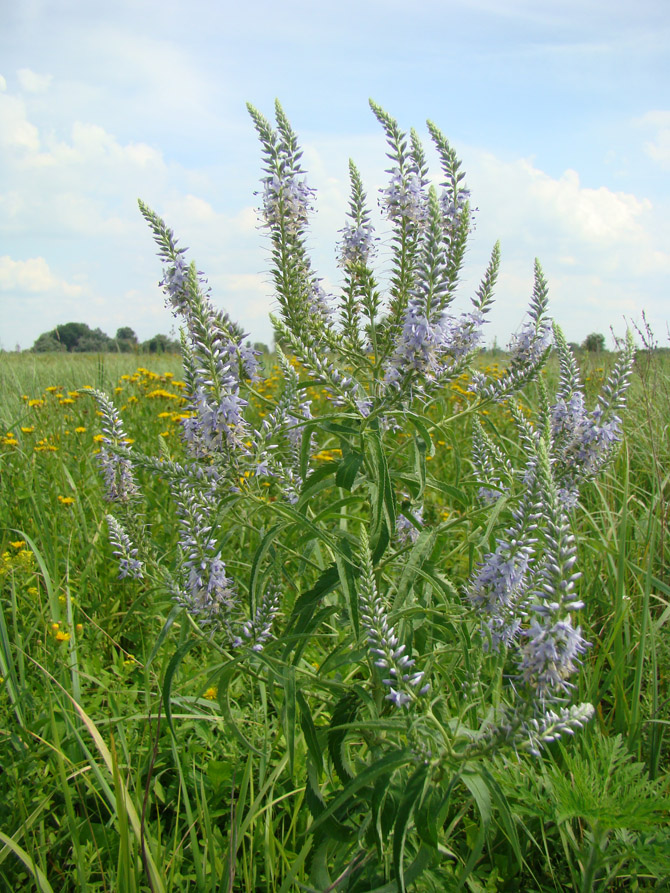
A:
(594, 343)
(94, 341)
(48, 343)
(126, 340)
(160, 344)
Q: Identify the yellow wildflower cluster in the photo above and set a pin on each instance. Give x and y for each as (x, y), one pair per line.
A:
(17, 558)
(328, 455)
(58, 633)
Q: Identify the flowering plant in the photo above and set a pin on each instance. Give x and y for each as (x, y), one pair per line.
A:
(401, 640)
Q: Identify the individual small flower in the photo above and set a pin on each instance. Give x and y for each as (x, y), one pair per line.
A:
(212, 693)
(66, 500)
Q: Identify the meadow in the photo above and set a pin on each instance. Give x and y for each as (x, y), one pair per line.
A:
(93, 771)
(379, 611)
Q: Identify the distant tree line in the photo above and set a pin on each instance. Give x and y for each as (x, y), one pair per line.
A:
(77, 337)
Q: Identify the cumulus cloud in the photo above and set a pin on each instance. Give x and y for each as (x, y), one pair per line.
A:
(16, 132)
(32, 82)
(657, 148)
(33, 276)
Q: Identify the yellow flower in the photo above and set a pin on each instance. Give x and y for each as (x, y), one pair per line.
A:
(17, 544)
(32, 590)
(212, 693)
(36, 403)
(66, 401)
(66, 500)
(98, 438)
(52, 388)
(80, 430)
(62, 636)
(28, 430)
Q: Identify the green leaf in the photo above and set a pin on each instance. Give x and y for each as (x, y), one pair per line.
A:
(345, 712)
(345, 570)
(172, 616)
(326, 822)
(172, 668)
(413, 793)
(383, 766)
(289, 714)
(263, 548)
(310, 732)
(421, 551)
(347, 470)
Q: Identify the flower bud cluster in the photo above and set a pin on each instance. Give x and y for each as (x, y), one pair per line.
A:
(129, 565)
(259, 630)
(388, 655)
(114, 457)
(206, 591)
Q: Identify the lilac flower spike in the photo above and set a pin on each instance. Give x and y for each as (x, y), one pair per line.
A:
(403, 199)
(206, 591)
(386, 651)
(114, 456)
(129, 565)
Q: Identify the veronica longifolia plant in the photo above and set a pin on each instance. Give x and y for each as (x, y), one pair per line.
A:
(315, 546)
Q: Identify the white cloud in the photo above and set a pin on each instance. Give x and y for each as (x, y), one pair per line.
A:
(33, 275)
(561, 218)
(3, 84)
(32, 82)
(16, 132)
(658, 148)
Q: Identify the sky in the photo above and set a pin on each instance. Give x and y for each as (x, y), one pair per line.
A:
(558, 109)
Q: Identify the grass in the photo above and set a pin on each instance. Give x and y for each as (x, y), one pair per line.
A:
(136, 757)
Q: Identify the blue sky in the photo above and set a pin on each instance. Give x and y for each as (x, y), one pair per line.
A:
(560, 112)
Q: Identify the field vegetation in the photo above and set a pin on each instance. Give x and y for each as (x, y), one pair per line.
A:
(93, 771)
